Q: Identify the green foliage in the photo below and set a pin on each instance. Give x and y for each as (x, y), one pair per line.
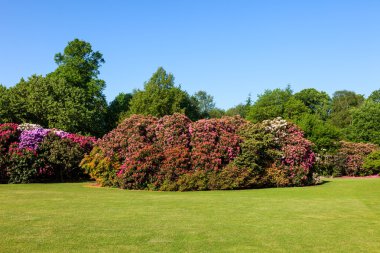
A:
(118, 109)
(62, 156)
(319, 102)
(324, 135)
(258, 149)
(70, 98)
(52, 102)
(372, 162)
(21, 166)
(4, 105)
(270, 104)
(79, 64)
(375, 96)
(204, 102)
(365, 123)
(240, 110)
(216, 113)
(342, 103)
(294, 109)
(161, 97)
(101, 167)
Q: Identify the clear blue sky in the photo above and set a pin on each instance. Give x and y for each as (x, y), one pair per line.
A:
(227, 48)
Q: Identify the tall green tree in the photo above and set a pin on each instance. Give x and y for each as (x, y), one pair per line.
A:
(294, 109)
(118, 109)
(270, 104)
(324, 136)
(365, 123)
(205, 103)
(342, 103)
(375, 96)
(161, 97)
(319, 102)
(4, 105)
(79, 64)
(70, 98)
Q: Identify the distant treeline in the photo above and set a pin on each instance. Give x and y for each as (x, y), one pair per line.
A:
(71, 98)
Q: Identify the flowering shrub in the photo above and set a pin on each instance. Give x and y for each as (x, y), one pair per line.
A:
(31, 138)
(28, 126)
(59, 159)
(30, 153)
(8, 134)
(277, 153)
(350, 158)
(173, 153)
(173, 140)
(372, 163)
(22, 165)
(214, 143)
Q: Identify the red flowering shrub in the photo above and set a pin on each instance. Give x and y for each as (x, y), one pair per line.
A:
(8, 135)
(173, 153)
(173, 140)
(214, 143)
(129, 148)
(157, 154)
(350, 158)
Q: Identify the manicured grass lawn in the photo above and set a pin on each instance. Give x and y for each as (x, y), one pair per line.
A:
(342, 215)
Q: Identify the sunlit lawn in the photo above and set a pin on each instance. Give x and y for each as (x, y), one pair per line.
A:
(342, 215)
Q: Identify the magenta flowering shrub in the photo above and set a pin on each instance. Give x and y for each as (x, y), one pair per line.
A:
(8, 134)
(30, 153)
(173, 140)
(214, 142)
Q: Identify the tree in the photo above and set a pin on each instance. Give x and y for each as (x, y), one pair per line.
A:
(342, 102)
(216, 113)
(79, 64)
(161, 97)
(319, 102)
(365, 123)
(294, 109)
(375, 96)
(270, 104)
(205, 103)
(325, 136)
(4, 105)
(70, 98)
(240, 109)
(118, 109)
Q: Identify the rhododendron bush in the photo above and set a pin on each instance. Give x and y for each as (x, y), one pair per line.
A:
(350, 158)
(174, 153)
(30, 153)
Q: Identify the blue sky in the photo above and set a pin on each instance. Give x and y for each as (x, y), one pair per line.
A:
(227, 48)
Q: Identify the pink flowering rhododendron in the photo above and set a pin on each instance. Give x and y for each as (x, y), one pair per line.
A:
(174, 153)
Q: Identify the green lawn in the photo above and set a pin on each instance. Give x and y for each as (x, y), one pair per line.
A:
(342, 215)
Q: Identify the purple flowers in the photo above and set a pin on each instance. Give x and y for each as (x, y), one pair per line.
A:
(31, 138)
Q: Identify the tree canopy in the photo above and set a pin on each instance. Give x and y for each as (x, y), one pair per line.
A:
(161, 97)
